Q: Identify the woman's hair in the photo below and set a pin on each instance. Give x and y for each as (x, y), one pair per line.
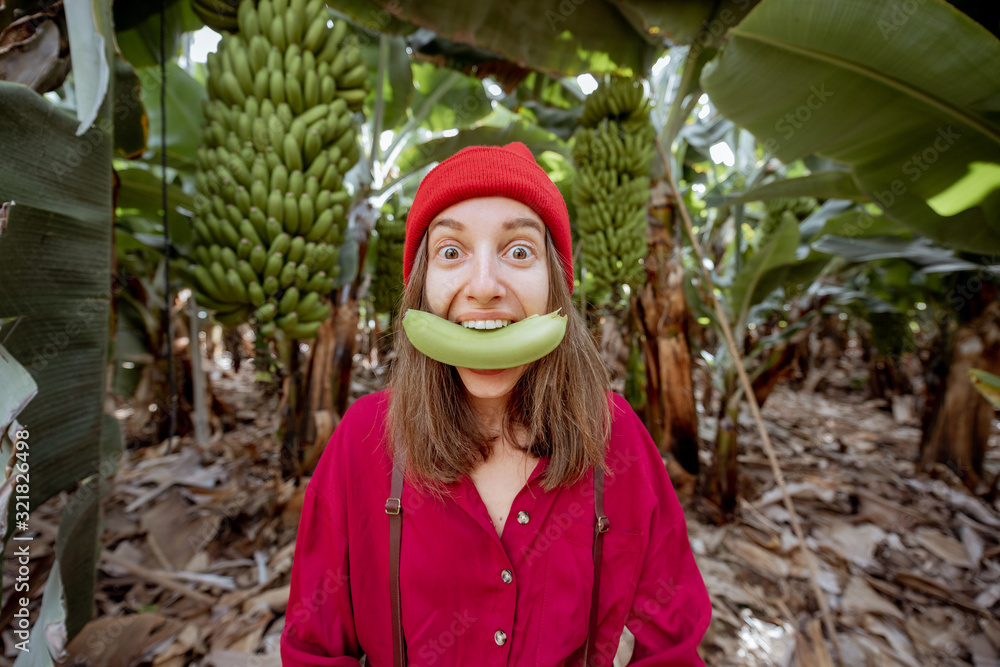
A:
(560, 401)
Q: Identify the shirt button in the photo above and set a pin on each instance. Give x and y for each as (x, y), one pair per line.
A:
(522, 517)
(500, 637)
(507, 576)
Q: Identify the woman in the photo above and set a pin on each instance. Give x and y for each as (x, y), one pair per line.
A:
(504, 518)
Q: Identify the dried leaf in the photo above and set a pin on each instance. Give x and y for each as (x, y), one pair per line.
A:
(855, 544)
(109, 642)
(973, 544)
(943, 546)
(766, 563)
(860, 598)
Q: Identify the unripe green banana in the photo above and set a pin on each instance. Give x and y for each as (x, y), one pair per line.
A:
(266, 312)
(321, 226)
(246, 272)
(258, 259)
(291, 209)
(271, 285)
(261, 83)
(276, 86)
(219, 277)
(275, 204)
(207, 283)
(327, 89)
(296, 183)
(303, 330)
(293, 94)
(287, 276)
(317, 283)
(312, 187)
(276, 30)
(288, 321)
(273, 266)
(292, 153)
(306, 214)
(318, 313)
(265, 13)
(296, 249)
(274, 229)
(331, 47)
(353, 78)
(289, 300)
(306, 304)
(294, 26)
(514, 345)
(280, 244)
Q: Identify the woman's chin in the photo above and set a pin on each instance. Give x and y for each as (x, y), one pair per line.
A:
(490, 384)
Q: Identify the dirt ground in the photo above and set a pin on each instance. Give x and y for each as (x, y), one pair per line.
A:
(198, 546)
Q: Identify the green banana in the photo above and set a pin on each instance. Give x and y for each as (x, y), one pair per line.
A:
(514, 345)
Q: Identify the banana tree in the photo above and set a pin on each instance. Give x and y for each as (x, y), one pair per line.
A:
(55, 252)
(918, 131)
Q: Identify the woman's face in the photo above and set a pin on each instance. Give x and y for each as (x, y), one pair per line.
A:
(486, 262)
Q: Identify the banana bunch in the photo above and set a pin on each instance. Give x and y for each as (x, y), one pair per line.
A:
(620, 99)
(775, 211)
(271, 207)
(613, 152)
(387, 278)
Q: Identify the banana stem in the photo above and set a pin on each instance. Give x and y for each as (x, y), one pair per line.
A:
(422, 113)
(755, 411)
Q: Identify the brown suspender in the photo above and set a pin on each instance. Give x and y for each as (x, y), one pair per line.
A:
(394, 508)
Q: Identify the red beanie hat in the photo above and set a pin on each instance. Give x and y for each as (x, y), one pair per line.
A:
(489, 171)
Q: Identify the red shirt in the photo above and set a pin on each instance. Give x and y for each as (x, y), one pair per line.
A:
(462, 585)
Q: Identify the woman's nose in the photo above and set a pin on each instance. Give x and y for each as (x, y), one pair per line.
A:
(485, 284)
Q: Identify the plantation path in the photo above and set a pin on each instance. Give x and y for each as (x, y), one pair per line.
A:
(198, 546)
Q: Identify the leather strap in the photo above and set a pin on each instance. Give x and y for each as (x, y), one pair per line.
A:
(601, 526)
(394, 508)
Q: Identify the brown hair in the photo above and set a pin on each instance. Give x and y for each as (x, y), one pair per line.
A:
(560, 401)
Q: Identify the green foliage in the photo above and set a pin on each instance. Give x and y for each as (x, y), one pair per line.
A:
(857, 88)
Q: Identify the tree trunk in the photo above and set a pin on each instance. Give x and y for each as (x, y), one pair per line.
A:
(318, 415)
(958, 420)
(345, 325)
(723, 478)
(663, 315)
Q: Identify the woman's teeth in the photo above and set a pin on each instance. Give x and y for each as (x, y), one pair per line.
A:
(485, 324)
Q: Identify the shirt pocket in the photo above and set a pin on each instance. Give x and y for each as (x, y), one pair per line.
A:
(569, 585)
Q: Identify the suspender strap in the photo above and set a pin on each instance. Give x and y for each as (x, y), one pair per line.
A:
(394, 508)
(601, 526)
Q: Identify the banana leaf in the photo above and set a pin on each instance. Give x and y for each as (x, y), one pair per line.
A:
(184, 99)
(910, 100)
(89, 53)
(920, 251)
(986, 384)
(558, 37)
(822, 185)
(764, 271)
(55, 267)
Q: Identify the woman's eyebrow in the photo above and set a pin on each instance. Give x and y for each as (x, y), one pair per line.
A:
(447, 222)
(516, 223)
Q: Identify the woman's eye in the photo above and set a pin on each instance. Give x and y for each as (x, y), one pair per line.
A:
(451, 252)
(520, 252)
